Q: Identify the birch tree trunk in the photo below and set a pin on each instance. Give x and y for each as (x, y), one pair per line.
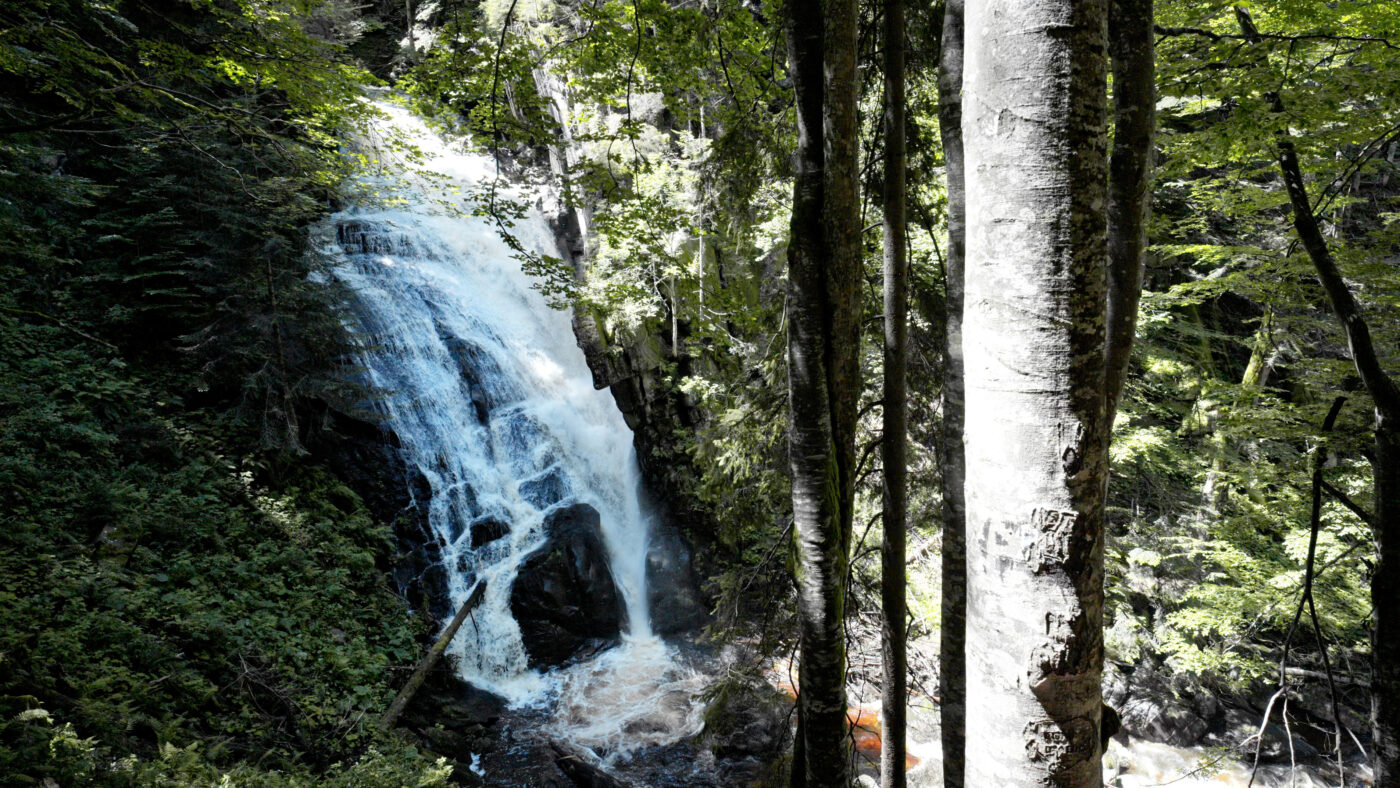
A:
(894, 659)
(823, 306)
(952, 673)
(1034, 94)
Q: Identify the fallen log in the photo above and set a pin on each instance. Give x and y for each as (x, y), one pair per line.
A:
(430, 659)
(580, 770)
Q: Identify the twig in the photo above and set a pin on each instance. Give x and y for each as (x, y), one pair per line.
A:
(1305, 599)
(1259, 745)
(1288, 734)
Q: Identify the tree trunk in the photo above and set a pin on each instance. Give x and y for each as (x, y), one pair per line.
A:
(895, 442)
(1036, 172)
(1130, 46)
(1385, 577)
(675, 319)
(1385, 602)
(823, 375)
(952, 673)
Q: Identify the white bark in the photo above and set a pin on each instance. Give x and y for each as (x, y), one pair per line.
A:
(1034, 119)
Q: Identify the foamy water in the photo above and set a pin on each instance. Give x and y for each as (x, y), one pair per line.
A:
(494, 405)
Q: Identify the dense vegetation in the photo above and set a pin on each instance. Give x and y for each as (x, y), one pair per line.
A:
(186, 590)
(184, 594)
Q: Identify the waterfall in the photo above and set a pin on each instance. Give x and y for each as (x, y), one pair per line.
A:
(494, 405)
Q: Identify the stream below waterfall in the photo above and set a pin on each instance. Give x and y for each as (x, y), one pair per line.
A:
(494, 407)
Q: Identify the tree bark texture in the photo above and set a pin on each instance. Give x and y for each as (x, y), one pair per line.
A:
(823, 302)
(1034, 127)
(893, 606)
(952, 674)
(1130, 46)
(1385, 527)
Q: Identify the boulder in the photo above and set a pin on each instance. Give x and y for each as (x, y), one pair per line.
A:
(1151, 707)
(564, 596)
(454, 719)
(579, 768)
(488, 529)
(526, 760)
(1242, 724)
(1163, 719)
(470, 706)
(747, 727)
(746, 721)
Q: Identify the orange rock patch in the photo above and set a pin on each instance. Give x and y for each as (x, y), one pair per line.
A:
(865, 732)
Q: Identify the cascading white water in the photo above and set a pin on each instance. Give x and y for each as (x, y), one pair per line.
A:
(494, 405)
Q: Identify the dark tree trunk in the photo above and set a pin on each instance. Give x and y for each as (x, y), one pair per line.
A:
(895, 441)
(1385, 602)
(1130, 46)
(952, 674)
(1385, 527)
(1033, 324)
(823, 373)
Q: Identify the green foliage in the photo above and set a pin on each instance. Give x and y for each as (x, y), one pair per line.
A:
(1238, 355)
(157, 600)
(188, 601)
(157, 183)
(70, 760)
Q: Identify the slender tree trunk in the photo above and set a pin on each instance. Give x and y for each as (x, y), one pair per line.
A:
(841, 209)
(1385, 529)
(1130, 46)
(952, 674)
(816, 517)
(823, 375)
(675, 319)
(895, 441)
(1385, 602)
(1035, 135)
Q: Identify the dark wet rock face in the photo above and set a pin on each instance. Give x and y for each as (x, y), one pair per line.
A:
(636, 369)
(746, 728)
(454, 719)
(1152, 709)
(1179, 710)
(564, 596)
(673, 591)
(365, 456)
(486, 530)
(476, 367)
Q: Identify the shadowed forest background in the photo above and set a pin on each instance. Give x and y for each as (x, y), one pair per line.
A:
(218, 564)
